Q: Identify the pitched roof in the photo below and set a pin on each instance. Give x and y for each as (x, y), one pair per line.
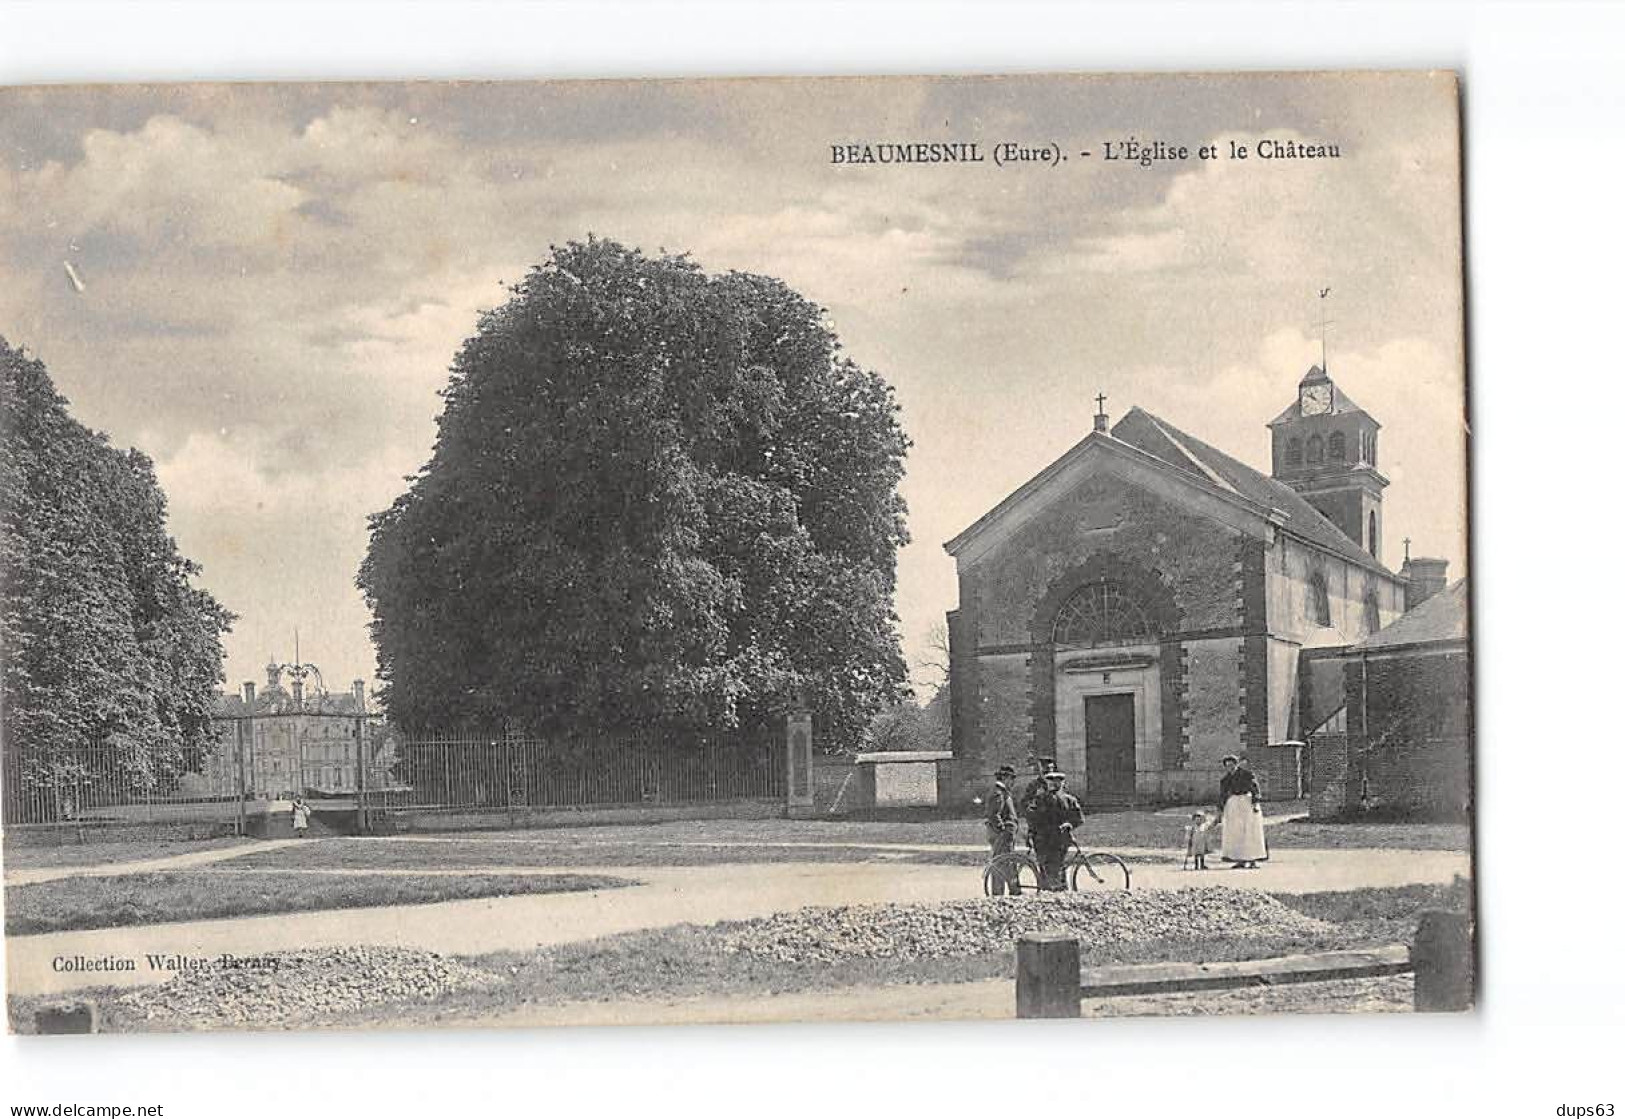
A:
(1159, 438)
(279, 702)
(1340, 400)
(1441, 618)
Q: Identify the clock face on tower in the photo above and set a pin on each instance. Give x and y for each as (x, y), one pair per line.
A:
(1315, 400)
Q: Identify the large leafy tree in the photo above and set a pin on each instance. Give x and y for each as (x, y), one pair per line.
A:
(658, 497)
(910, 726)
(112, 656)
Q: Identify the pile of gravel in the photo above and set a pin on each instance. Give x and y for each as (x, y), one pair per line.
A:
(974, 926)
(301, 989)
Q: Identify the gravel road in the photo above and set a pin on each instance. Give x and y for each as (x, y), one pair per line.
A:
(976, 925)
(303, 989)
(320, 986)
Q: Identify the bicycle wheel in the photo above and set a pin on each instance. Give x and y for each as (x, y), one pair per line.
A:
(1012, 869)
(1099, 868)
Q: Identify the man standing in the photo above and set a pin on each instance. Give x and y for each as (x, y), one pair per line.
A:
(1050, 820)
(1033, 788)
(1000, 821)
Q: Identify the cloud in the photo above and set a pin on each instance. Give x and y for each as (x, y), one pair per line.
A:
(280, 547)
(169, 182)
(278, 277)
(1132, 252)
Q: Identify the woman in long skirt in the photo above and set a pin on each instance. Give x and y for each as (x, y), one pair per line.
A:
(1241, 810)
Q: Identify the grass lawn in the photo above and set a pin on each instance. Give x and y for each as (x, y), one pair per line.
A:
(542, 852)
(1121, 829)
(1392, 836)
(147, 899)
(1163, 830)
(1381, 916)
(20, 857)
(704, 843)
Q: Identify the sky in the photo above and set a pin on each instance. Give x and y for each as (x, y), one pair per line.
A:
(268, 283)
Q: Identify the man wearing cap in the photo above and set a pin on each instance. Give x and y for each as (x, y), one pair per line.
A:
(1030, 791)
(1050, 820)
(1000, 821)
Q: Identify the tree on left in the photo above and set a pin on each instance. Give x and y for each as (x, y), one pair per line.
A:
(112, 655)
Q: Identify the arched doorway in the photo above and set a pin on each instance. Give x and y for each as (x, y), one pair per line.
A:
(1108, 708)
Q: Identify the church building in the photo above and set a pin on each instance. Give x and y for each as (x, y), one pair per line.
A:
(1138, 609)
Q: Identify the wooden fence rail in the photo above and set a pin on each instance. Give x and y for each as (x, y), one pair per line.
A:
(1050, 983)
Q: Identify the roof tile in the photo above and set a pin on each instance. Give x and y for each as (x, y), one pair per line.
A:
(1156, 436)
(1441, 618)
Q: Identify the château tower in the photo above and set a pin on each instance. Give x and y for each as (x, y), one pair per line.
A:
(1325, 447)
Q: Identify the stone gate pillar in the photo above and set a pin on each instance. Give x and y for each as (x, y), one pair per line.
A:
(798, 740)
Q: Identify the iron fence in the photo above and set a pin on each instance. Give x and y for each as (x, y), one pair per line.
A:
(463, 770)
(104, 784)
(340, 764)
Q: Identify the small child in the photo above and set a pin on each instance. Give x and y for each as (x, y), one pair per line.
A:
(1198, 840)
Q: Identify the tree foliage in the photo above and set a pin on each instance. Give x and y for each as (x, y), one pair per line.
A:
(911, 726)
(108, 645)
(657, 497)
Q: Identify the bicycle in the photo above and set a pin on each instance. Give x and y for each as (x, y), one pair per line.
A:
(1021, 868)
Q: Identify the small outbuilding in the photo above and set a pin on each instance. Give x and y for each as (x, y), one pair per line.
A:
(1392, 716)
(901, 778)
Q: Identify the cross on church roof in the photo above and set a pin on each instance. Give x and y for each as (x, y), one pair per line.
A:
(1100, 411)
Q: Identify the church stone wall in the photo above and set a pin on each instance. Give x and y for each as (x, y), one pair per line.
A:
(1195, 555)
(1003, 716)
(1290, 569)
(1212, 715)
(1212, 586)
(1283, 677)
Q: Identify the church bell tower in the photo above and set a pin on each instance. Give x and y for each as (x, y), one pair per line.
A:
(1325, 447)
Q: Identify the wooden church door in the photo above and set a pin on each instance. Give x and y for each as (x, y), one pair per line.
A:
(1108, 749)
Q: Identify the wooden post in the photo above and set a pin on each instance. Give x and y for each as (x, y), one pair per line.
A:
(68, 1018)
(1442, 955)
(1047, 981)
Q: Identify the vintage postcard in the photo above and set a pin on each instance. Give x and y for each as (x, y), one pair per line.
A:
(639, 552)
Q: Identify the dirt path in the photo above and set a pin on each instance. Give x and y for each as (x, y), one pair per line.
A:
(185, 861)
(47, 963)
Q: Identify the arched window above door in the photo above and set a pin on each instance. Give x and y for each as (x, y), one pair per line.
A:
(1102, 613)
